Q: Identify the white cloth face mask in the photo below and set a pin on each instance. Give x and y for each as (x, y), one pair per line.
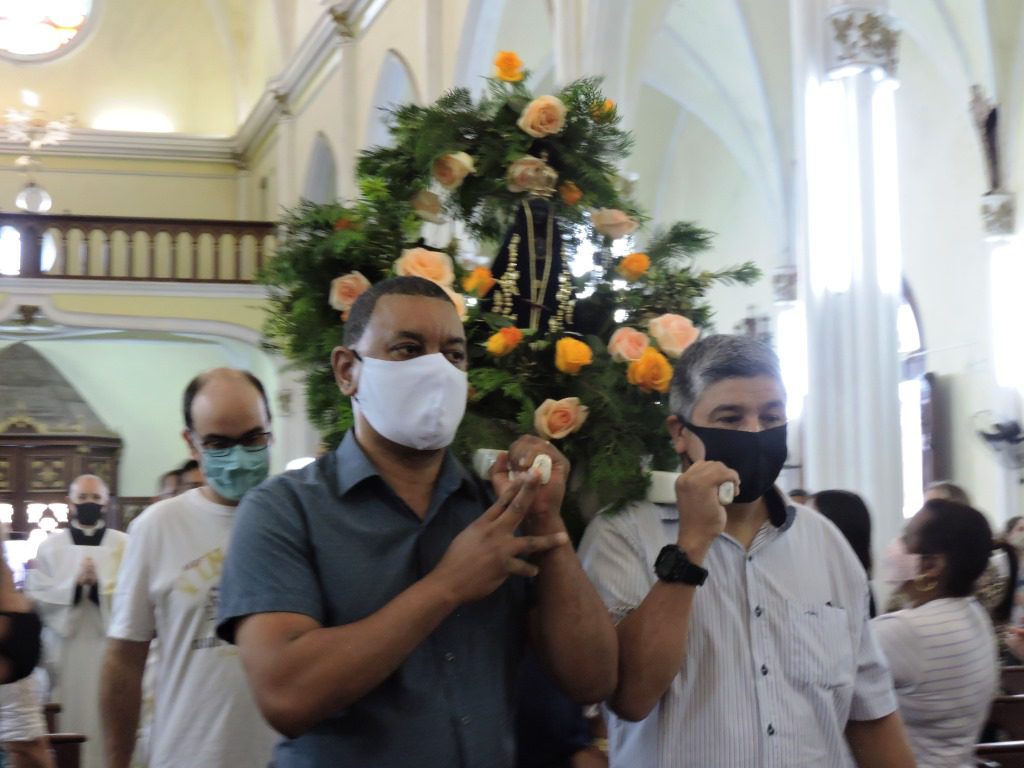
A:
(417, 403)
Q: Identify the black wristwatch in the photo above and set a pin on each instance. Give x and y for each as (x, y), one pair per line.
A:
(674, 566)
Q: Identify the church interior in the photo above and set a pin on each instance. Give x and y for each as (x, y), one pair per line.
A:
(148, 151)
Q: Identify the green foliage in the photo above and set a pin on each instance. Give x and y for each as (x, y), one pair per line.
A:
(624, 430)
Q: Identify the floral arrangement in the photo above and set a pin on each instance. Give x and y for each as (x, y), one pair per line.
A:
(586, 365)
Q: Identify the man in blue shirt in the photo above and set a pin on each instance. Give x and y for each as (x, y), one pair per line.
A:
(379, 597)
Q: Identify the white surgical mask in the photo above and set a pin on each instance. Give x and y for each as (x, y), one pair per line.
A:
(898, 565)
(417, 403)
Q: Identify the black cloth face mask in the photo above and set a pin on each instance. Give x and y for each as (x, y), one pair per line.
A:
(757, 457)
(21, 647)
(88, 513)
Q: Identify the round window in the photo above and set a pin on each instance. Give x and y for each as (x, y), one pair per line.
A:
(41, 29)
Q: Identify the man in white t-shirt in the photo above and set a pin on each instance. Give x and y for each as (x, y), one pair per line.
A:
(168, 587)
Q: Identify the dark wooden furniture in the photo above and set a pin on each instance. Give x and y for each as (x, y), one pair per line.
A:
(1007, 716)
(1001, 754)
(1012, 680)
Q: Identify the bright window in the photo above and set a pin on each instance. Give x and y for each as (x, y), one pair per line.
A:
(40, 28)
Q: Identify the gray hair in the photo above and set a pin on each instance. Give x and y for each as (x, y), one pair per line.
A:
(714, 359)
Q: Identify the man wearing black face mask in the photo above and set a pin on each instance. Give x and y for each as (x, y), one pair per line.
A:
(72, 585)
(742, 621)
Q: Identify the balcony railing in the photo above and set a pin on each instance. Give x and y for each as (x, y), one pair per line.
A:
(113, 248)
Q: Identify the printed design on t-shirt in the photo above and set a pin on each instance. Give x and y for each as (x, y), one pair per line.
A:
(198, 577)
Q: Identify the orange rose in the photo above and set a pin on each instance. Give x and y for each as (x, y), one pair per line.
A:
(458, 301)
(346, 289)
(571, 355)
(504, 341)
(634, 266)
(478, 282)
(603, 111)
(508, 67)
(555, 419)
(544, 116)
(571, 194)
(430, 265)
(451, 169)
(674, 333)
(531, 174)
(627, 344)
(343, 224)
(651, 372)
(613, 223)
(427, 206)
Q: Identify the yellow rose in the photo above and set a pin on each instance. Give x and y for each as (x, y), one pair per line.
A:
(508, 67)
(603, 111)
(451, 169)
(504, 341)
(430, 265)
(544, 116)
(427, 206)
(613, 223)
(651, 372)
(346, 289)
(634, 266)
(571, 355)
(571, 194)
(674, 333)
(555, 419)
(627, 344)
(478, 282)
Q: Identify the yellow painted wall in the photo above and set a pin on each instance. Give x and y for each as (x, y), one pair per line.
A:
(245, 312)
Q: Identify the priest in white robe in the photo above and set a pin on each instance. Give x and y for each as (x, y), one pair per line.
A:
(72, 583)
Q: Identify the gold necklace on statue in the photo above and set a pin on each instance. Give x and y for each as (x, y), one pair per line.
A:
(538, 288)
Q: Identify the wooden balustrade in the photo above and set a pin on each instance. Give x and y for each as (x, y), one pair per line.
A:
(114, 248)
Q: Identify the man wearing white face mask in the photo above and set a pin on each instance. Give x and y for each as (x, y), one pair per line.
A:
(378, 595)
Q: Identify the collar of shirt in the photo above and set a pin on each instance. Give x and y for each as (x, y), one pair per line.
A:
(354, 468)
(781, 514)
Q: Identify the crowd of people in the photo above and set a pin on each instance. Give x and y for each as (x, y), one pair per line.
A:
(383, 606)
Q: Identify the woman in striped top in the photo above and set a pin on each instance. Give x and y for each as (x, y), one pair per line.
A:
(942, 649)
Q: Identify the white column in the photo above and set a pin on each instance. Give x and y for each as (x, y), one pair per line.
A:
(348, 127)
(243, 201)
(567, 33)
(850, 260)
(294, 436)
(432, 40)
(287, 181)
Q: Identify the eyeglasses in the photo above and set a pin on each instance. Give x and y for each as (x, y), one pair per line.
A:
(218, 445)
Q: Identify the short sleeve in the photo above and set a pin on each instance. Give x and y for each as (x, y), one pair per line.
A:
(133, 615)
(899, 646)
(270, 565)
(614, 560)
(873, 695)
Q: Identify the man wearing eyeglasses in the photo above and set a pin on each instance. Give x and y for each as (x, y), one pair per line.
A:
(169, 586)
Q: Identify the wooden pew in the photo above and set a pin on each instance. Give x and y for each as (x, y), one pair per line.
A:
(1012, 679)
(66, 748)
(1005, 754)
(1007, 715)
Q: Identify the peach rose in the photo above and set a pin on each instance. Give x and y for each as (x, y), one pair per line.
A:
(427, 206)
(544, 116)
(555, 419)
(458, 301)
(627, 344)
(613, 223)
(508, 67)
(651, 372)
(451, 169)
(571, 194)
(346, 289)
(634, 266)
(430, 265)
(504, 341)
(530, 174)
(478, 282)
(674, 333)
(571, 355)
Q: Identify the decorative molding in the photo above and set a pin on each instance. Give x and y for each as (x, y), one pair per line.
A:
(88, 142)
(862, 39)
(55, 286)
(999, 214)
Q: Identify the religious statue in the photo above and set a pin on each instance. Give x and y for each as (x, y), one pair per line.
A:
(986, 116)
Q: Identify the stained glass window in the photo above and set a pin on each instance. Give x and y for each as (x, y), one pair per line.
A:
(40, 28)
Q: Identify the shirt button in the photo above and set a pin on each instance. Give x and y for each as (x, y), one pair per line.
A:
(758, 611)
(750, 558)
(771, 729)
(466, 720)
(449, 656)
(764, 669)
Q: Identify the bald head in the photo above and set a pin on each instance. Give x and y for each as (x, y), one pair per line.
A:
(88, 488)
(220, 385)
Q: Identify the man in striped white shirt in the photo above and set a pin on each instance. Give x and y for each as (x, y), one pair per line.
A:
(771, 662)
